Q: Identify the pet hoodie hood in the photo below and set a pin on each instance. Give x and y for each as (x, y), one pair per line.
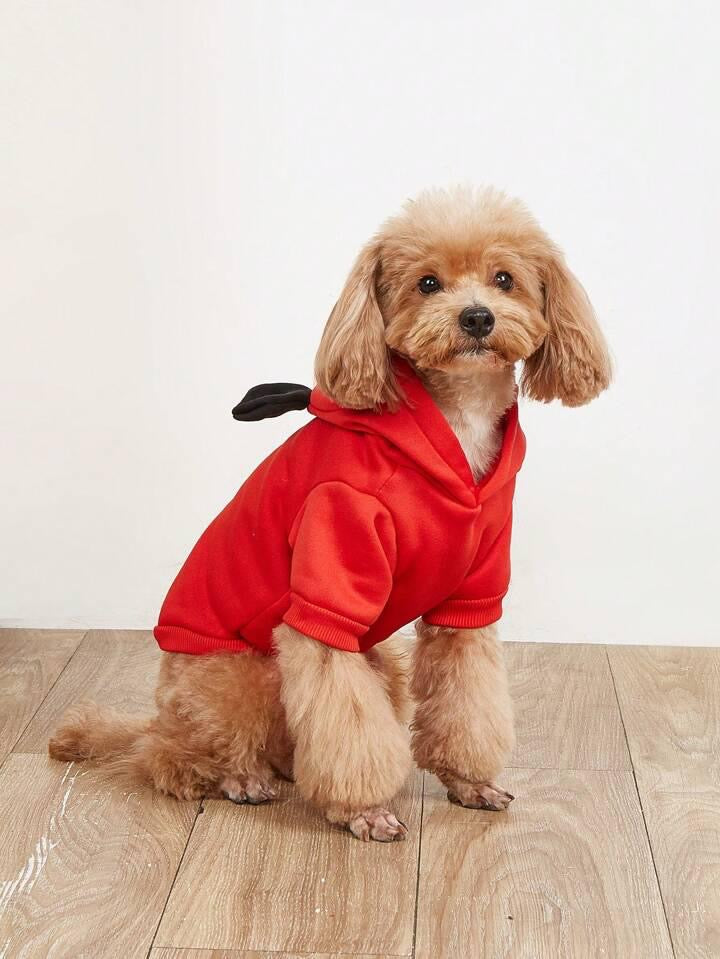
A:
(359, 523)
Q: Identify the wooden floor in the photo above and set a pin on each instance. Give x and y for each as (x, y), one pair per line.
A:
(612, 847)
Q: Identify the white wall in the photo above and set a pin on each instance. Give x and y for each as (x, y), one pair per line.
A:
(183, 187)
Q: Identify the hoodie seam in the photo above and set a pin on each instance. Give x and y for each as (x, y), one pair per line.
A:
(356, 624)
(382, 486)
(431, 440)
(489, 601)
(492, 545)
(355, 489)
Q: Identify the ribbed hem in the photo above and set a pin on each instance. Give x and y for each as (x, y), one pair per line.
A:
(466, 613)
(176, 639)
(324, 625)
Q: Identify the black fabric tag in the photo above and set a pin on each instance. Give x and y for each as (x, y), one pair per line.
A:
(271, 399)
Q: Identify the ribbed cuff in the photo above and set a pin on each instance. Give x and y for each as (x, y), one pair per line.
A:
(324, 625)
(466, 613)
(177, 639)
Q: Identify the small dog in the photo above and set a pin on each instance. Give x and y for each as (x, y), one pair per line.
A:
(394, 502)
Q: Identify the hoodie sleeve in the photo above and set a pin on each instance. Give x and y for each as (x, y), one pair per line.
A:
(478, 600)
(343, 560)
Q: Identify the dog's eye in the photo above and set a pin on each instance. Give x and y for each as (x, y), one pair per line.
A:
(429, 284)
(504, 280)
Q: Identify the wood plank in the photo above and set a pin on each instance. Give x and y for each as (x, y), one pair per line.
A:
(85, 864)
(30, 662)
(278, 877)
(566, 872)
(112, 667)
(670, 702)
(164, 953)
(558, 688)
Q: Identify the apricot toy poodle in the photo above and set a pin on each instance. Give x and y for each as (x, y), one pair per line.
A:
(393, 504)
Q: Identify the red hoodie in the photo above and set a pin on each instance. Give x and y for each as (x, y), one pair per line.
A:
(358, 524)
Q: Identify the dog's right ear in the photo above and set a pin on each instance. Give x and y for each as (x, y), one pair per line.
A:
(352, 365)
(572, 363)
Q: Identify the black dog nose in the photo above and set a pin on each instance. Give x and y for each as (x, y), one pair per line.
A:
(477, 320)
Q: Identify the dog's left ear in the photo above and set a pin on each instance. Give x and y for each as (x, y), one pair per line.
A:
(572, 363)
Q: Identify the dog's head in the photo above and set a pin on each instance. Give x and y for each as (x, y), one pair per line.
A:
(462, 280)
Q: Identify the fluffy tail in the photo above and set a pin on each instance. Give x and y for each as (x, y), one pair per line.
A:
(89, 732)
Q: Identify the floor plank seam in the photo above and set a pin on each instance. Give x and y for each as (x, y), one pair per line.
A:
(642, 808)
(22, 732)
(159, 950)
(200, 809)
(570, 769)
(573, 769)
(419, 861)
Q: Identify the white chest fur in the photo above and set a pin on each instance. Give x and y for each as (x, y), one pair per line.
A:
(474, 406)
(480, 437)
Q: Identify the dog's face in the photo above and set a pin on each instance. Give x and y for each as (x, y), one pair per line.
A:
(461, 288)
(459, 281)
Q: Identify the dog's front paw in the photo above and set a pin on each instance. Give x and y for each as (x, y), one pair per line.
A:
(479, 796)
(247, 789)
(379, 824)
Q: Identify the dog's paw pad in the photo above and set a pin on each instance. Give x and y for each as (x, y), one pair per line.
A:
(480, 796)
(248, 789)
(378, 824)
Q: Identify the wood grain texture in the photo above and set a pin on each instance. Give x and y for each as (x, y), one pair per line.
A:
(670, 701)
(565, 873)
(30, 662)
(566, 712)
(86, 866)
(278, 877)
(111, 667)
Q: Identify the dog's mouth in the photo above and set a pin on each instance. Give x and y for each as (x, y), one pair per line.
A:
(466, 357)
(477, 349)
(482, 353)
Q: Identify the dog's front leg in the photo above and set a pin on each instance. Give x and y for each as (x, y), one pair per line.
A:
(463, 727)
(351, 753)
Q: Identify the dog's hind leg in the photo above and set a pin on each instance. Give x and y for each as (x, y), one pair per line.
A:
(207, 739)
